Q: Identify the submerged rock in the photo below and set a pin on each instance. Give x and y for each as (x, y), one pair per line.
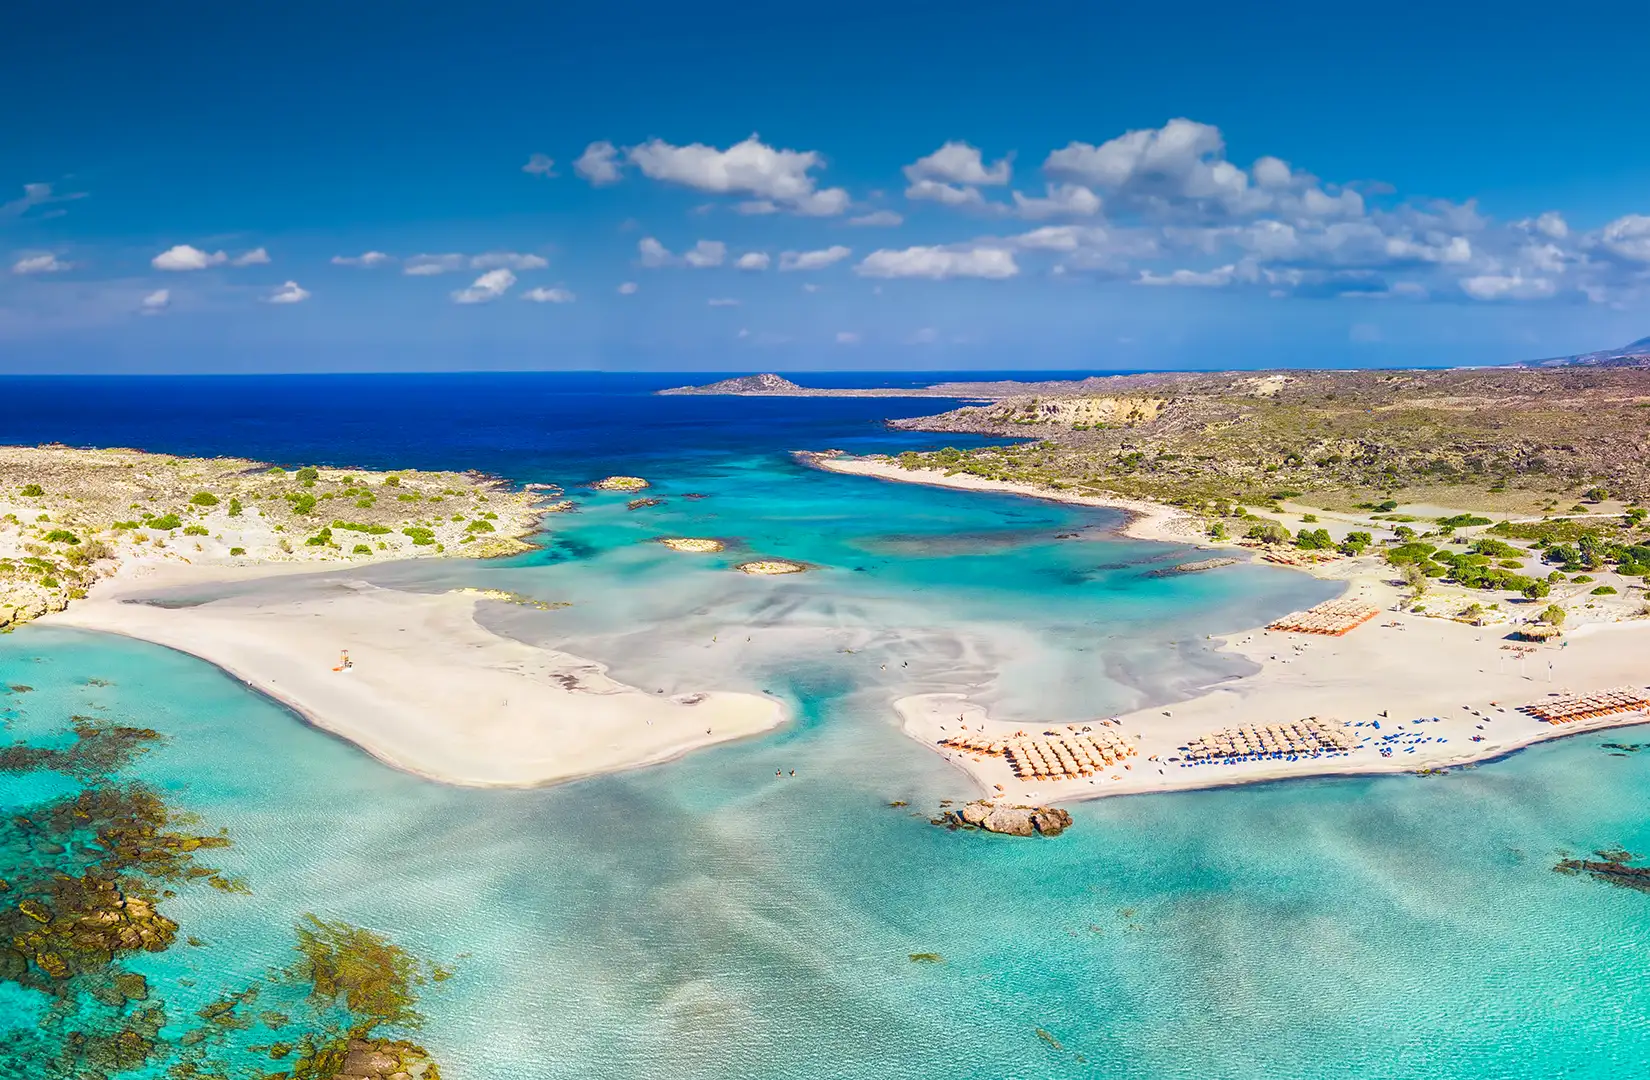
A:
(1009, 820)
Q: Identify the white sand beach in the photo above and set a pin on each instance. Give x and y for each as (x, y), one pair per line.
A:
(429, 690)
(1410, 668)
(1147, 520)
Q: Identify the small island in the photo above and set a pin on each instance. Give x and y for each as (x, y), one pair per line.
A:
(771, 567)
(695, 544)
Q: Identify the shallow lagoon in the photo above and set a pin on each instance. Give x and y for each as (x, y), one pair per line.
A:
(705, 918)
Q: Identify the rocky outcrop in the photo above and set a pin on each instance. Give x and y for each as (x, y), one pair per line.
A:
(1009, 820)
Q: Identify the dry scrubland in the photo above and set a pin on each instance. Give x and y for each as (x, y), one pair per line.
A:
(69, 517)
(1496, 495)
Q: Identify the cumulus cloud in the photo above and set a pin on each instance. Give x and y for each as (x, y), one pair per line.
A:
(40, 264)
(753, 260)
(1062, 200)
(542, 295)
(366, 259)
(156, 302)
(878, 219)
(185, 257)
(288, 293)
(771, 179)
(1514, 286)
(939, 262)
(540, 165)
(491, 260)
(705, 253)
(813, 260)
(1628, 237)
(426, 265)
(255, 257)
(628, 288)
(958, 163)
(488, 287)
(599, 163)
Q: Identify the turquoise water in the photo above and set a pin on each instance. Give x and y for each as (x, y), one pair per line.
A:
(705, 919)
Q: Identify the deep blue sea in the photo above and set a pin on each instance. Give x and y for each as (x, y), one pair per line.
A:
(707, 919)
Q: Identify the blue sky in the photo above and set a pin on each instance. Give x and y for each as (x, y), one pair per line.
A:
(892, 185)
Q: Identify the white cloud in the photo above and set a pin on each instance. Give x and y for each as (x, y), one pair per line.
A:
(540, 165)
(944, 194)
(939, 262)
(255, 257)
(705, 253)
(598, 163)
(289, 293)
(1508, 287)
(1062, 200)
(1181, 156)
(878, 218)
(753, 260)
(512, 260)
(1550, 224)
(1629, 237)
(489, 286)
(628, 288)
(926, 336)
(773, 179)
(425, 265)
(365, 260)
(1209, 279)
(156, 302)
(548, 296)
(813, 260)
(723, 301)
(35, 195)
(958, 163)
(40, 264)
(847, 337)
(185, 257)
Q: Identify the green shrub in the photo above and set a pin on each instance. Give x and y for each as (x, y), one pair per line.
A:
(31, 490)
(237, 551)
(1537, 590)
(196, 530)
(1314, 540)
(419, 535)
(320, 539)
(167, 523)
(1554, 615)
(306, 475)
(49, 582)
(1604, 590)
(1462, 521)
(392, 481)
(204, 498)
(234, 507)
(479, 527)
(62, 536)
(354, 526)
(124, 525)
(302, 501)
(1268, 532)
(360, 549)
(1355, 543)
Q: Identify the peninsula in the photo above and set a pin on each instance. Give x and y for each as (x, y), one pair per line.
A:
(184, 552)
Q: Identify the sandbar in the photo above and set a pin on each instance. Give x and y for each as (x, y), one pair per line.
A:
(429, 690)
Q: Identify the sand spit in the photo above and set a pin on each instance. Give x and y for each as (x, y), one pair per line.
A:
(426, 689)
